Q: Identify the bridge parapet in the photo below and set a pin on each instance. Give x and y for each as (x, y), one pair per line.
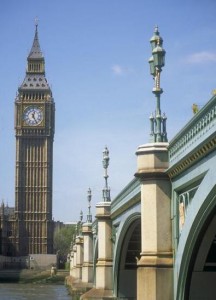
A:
(195, 140)
(129, 196)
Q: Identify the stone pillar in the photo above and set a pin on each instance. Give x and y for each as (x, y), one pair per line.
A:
(73, 269)
(155, 267)
(87, 269)
(79, 256)
(104, 263)
(71, 262)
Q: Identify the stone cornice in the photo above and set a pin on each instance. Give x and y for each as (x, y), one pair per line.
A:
(152, 175)
(158, 260)
(192, 157)
(102, 216)
(152, 148)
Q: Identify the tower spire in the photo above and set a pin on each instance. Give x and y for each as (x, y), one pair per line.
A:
(35, 52)
(36, 21)
(36, 62)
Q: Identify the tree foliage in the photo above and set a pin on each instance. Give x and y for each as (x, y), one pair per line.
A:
(62, 240)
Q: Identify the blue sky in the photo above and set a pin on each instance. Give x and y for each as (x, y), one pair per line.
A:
(96, 54)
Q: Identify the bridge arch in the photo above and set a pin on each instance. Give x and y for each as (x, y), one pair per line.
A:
(196, 244)
(128, 247)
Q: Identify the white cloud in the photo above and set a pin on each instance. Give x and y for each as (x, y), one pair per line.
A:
(201, 57)
(117, 70)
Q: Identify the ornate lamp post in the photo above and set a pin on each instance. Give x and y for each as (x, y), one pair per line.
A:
(89, 215)
(106, 190)
(156, 62)
(80, 223)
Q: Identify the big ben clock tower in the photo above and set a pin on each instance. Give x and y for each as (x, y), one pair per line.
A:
(34, 127)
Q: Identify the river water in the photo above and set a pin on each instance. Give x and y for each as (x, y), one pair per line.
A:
(15, 291)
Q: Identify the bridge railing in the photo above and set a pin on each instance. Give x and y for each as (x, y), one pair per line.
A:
(200, 128)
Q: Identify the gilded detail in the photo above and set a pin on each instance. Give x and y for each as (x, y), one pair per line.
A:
(204, 150)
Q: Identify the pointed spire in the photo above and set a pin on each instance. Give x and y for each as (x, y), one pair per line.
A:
(36, 50)
(35, 79)
(36, 62)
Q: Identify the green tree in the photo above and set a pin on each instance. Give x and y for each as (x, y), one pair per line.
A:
(62, 241)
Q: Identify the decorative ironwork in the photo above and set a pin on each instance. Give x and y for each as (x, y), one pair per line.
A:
(79, 225)
(157, 61)
(89, 215)
(200, 126)
(106, 190)
(184, 200)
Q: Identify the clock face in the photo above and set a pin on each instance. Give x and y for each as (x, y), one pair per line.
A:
(33, 115)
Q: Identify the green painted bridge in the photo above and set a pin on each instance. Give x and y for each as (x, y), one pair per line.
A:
(156, 239)
(174, 233)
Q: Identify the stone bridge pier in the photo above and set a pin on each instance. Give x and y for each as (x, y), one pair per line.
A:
(103, 282)
(155, 267)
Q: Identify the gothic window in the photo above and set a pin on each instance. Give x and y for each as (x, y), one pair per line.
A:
(9, 233)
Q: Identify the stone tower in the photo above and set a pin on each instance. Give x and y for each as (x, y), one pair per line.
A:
(34, 127)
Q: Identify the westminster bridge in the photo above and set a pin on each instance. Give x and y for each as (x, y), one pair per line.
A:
(156, 239)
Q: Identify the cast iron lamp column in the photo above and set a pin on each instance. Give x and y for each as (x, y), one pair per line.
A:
(80, 223)
(106, 190)
(156, 62)
(87, 268)
(89, 216)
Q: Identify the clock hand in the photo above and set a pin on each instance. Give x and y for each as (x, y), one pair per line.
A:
(33, 115)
